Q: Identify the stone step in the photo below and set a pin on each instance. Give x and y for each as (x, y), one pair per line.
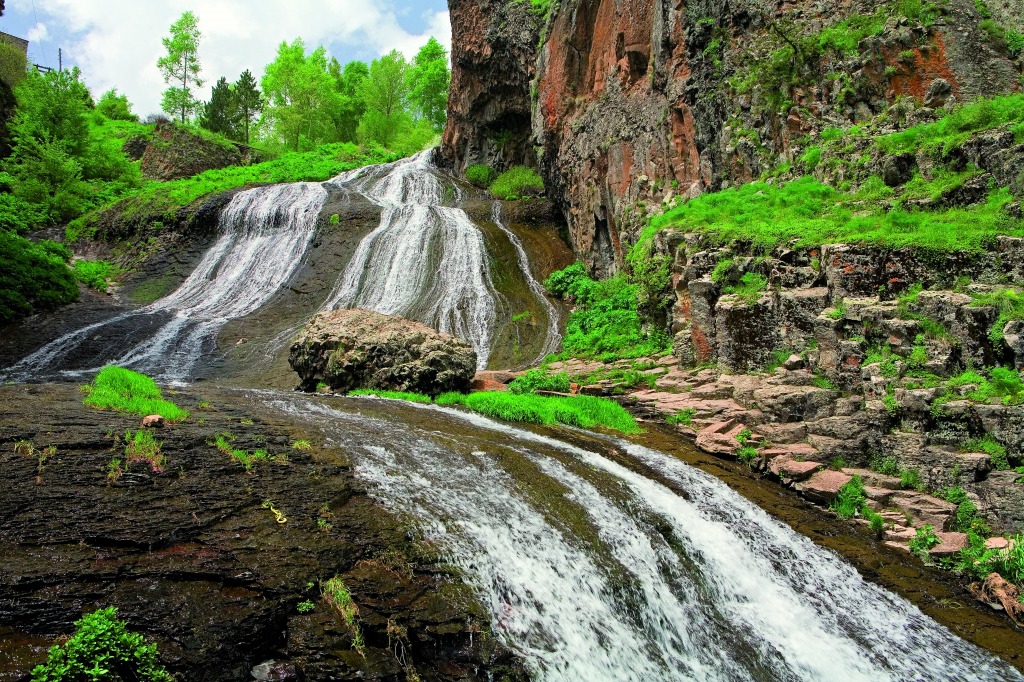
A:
(787, 468)
(950, 545)
(875, 479)
(823, 486)
(924, 510)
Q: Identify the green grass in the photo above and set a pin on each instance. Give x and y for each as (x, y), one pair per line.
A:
(924, 540)
(581, 411)
(967, 519)
(518, 181)
(154, 198)
(749, 288)
(481, 175)
(538, 380)
(225, 443)
(336, 593)
(849, 499)
(123, 390)
(991, 447)
(954, 129)
(684, 417)
(95, 273)
(1009, 303)
(143, 447)
(101, 644)
(808, 213)
(393, 395)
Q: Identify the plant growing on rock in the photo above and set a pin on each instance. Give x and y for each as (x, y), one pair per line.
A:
(684, 417)
(391, 395)
(143, 447)
(518, 181)
(336, 593)
(990, 446)
(535, 380)
(923, 541)
(102, 648)
(481, 175)
(849, 499)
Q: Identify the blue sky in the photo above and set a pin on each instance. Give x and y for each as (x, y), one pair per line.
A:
(117, 42)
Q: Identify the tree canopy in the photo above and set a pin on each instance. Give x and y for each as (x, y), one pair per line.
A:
(181, 66)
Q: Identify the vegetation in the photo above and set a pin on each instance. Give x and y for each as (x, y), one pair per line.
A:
(34, 276)
(95, 273)
(336, 593)
(850, 499)
(225, 443)
(535, 380)
(684, 417)
(181, 66)
(923, 541)
(143, 447)
(123, 390)
(967, 519)
(516, 182)
(954, 129)
(102, 648)
(393, 395)
(580, 411)
(481, 175)
(605, 322)
(993, 448)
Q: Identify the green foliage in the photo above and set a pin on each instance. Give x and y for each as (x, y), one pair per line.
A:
(222, 114)
(746, 454)
(481, 175)
(837, 312)
(911, 479)
(12, 63)
(300, 92)
(102, 648)
(991, 447)
(824, 382)
(581, 411)
(849, 499)
(954, 129)
(248, 101)
(967, 519)
(33, 276)
(518, 181)
(923, 541)
(605, 322)
(224, 442)
(123, 390)
(429, 78)
(540, 7)
(837, 463)
(143, 447)
(805, 212)
(336, 593)
(95, 273)
(305, 606)
(535, 380)
(749, 288)
(888, 466)
(1009, 303)
(115, 107)
(684, 417)
(721, 270)
(385, 91)
(393, 395)
(1003, 384)
(181, 66)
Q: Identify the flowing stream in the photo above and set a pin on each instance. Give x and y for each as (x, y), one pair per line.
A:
(592, 571)
(426, 261)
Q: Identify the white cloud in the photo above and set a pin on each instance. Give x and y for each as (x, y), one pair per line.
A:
(38, 32)
(117, 42)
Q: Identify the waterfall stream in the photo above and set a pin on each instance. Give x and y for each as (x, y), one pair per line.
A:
(594, 572)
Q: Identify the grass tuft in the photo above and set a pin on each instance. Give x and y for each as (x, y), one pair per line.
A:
(123, 390)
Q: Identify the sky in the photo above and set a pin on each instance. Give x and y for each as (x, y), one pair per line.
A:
(117, 42)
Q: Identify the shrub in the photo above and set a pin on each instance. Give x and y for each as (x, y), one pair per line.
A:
(966, 512)
(102, 648)
(849, 499)
(911, 479)
(923, 541)
(749, 288)
(746, 454)
(481, 175)
(95, 273)
(538, 380)
(516, 182)
(684, 417)
(123, 390)
(991, 447)
(33, 276)
(888, 466)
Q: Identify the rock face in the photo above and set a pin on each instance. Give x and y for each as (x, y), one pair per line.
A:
(348, 349)
(174, 152)
(494, 44)
(639, 103)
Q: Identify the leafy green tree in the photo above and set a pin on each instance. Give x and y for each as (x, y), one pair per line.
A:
(429, 78)
(350, 106)
(385, 91)
(181, 66)
(248, 100)
(115, 106)
(222, 114)
(300, 94)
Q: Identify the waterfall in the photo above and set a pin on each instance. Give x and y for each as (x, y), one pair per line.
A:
(425, 261)
(591, 571)
(264, 234)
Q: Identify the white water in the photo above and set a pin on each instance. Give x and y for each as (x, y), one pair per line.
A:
(264, 234)
(425, 261)
(704, 586)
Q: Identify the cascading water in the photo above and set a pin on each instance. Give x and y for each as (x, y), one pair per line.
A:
(594, 572)
(264, 234)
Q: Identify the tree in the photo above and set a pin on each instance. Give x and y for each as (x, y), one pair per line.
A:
(350, 106)
(248, 99)
(300, 94)
(429, 78)
(221, 114)
(181, 65)
(385, 90)
(115, 106)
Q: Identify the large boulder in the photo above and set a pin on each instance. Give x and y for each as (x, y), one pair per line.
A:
(349, 349)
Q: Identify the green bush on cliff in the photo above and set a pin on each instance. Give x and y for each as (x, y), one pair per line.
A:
(518, 181)
(605, 323)
(34, 276)
(102, 648)
(95, 273)
(123, 390)
(481, 175)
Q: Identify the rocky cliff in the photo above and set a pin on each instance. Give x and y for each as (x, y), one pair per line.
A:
(637, 103)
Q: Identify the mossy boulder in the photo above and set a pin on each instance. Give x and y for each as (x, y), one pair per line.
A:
(176, 152)
(348, 349)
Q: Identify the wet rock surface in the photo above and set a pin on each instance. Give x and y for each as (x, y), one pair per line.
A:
(348, 349)
(195, 559)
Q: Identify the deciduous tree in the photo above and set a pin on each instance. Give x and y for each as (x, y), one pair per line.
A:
(181, 66)
(429, 78)
(385, 91)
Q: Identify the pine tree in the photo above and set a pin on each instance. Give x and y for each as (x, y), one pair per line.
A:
(181, 65)
(248, 99)
(222, 113)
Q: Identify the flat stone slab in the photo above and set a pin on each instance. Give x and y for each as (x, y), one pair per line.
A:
(925, 510)
(823, 486)
(788, 468)
(875, 479)
(951, 543)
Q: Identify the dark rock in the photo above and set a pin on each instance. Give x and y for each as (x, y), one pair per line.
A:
(272, 671)
(898, 169)
(175, 152)
(939, 91)
(135, 147)
(350, 349)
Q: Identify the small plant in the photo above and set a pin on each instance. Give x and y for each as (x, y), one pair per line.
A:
(684, 417)
(334, 220)
(205, 405)
(323, 521)
(141, 446)
(25, 447)
(278, 514)
(923, 541)
(114, 469)
(967, 520)
(892, 406)
(305, 606)
(521, 317)
(322, 387)
(824, 382)
(481, 175)
(518, 181)
(910, 479)
(849, 499)
(102, 648)
(301, 444)
(337, 595)
(888, 466)
(837, 463)
(837, 312)
(535, 380)
(746, 454)
(245, 421)
(991, 447)
(123, 390)
(744, 436)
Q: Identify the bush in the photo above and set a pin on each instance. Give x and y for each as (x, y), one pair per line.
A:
(538, 380)
(481, 175)
(102, 648)
(33, 276)
(849, 499)
(95, 273)
(518, 181)
(684, 417)
(12, 64)
(991, 447)
(924, 540)
(123, 390)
